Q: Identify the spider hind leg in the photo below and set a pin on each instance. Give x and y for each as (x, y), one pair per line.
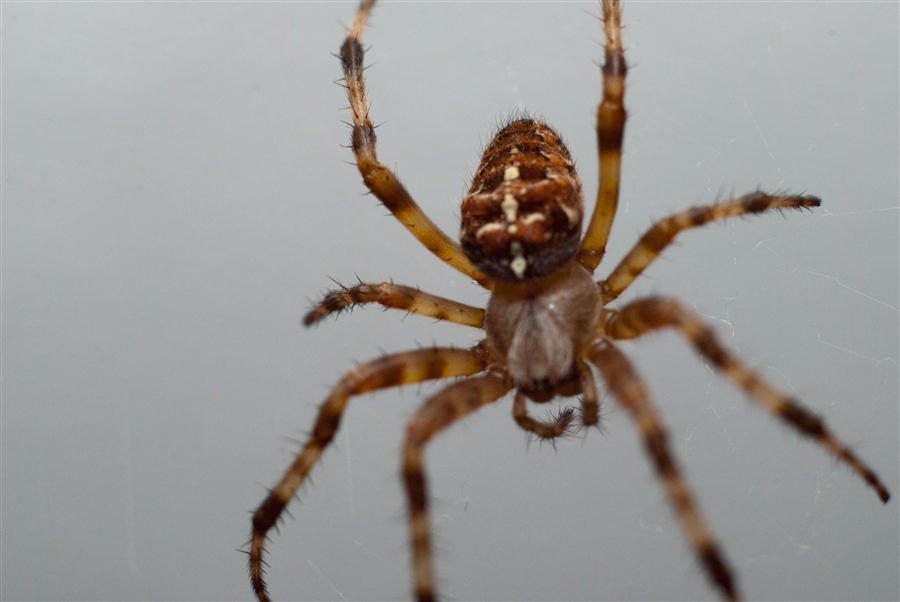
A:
(625, 384)
(654, 313)
(388, 371)
(446, 407)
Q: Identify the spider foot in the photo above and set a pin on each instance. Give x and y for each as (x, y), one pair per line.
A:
(257, 566)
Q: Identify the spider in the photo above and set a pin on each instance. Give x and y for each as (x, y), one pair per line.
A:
(547, 325)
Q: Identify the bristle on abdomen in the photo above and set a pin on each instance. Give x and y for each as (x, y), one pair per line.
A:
(522, 216)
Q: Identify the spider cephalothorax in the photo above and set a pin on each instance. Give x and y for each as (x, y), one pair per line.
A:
(542, 327)
(547, 321)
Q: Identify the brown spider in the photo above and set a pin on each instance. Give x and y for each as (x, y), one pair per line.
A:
(546, 322)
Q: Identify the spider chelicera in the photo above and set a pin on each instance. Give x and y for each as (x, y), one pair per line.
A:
(547, 322)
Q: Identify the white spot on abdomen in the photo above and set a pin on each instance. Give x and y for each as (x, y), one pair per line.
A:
(510, 207)
(511, 173)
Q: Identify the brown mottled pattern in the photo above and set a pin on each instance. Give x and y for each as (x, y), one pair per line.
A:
(531, 145)
(546, 194)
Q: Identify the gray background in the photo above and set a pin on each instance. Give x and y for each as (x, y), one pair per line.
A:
(175, 191)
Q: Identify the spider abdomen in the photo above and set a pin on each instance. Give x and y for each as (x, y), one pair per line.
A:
(522, 216)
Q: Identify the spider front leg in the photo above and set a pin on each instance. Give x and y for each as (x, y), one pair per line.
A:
(629, 390)
(654, 313)
(378, 178)
(611, 116)
(389, 371)
(396, 296)
(664, 231)
(439, 412)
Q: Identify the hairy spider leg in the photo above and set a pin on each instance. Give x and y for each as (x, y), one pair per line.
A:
(611, 116)
(396, 296)
(439, 412)
(653, 313)
(389, 371)
(378, 178)
(661, 234)
(590, 401)
(625, 384)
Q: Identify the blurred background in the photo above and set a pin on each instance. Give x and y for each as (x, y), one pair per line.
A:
(176, 194)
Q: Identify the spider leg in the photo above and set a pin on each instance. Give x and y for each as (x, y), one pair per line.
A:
(590, 404)
(396, 296)
(611, 117)
(625, 384)
(451, 404)
(389, 371)
(378, 178)
(653, 313)
(664, 231)
(544, 430)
